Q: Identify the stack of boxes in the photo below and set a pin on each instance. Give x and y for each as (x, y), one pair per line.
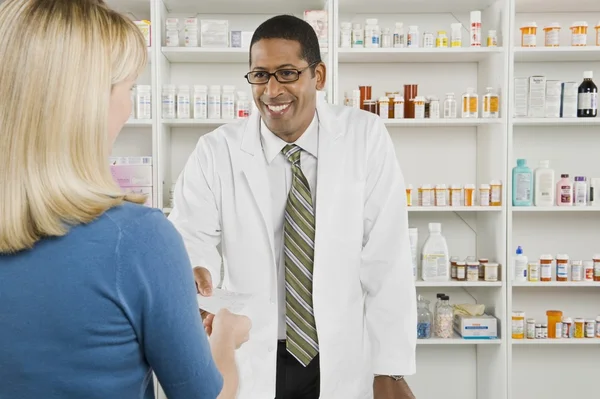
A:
(134, 175)
(537, 97)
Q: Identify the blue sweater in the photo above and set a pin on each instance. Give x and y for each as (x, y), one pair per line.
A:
(92, 314)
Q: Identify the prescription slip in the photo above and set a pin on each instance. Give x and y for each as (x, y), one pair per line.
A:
(233, 301)
(480, 327)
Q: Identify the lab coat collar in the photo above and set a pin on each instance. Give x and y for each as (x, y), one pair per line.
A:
(272, 145)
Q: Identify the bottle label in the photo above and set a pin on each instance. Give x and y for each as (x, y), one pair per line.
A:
(561, 270)
(587, 101)
(523, 192)
(565, 194)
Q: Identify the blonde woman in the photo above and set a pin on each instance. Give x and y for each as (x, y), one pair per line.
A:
(96, 291)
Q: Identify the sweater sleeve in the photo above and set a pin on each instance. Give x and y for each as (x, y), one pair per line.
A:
(157, 292)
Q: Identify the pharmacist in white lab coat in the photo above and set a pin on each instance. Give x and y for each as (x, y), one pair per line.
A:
(338, 318)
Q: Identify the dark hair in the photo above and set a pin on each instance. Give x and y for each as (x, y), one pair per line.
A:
(289, 27)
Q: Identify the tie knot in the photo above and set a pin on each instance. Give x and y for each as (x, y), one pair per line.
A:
(292, 153)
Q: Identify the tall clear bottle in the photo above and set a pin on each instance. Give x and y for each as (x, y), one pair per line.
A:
(470, 102)
(491, 104)
(444, 319)
(450, 106)
(435, 263)
(424, 319)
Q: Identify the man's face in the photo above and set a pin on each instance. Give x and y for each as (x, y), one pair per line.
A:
(286, 108)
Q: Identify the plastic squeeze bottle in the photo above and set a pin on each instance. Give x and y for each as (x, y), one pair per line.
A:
(522, 184)
(564, 191)
(544, 185)
(435, 261)
(520, 265)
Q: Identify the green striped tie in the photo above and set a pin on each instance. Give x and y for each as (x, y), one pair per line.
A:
(299, 232)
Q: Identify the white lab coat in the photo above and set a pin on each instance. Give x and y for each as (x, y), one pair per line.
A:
(363, 289)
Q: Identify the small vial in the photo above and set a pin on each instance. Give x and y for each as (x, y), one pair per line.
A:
(143, 102)
(168, 102)
(434, 107)
(544, 331)
(200, 102)
(530, 328)
(538, 331)
(419, 107)
(492, 39)
(183, 102)
(398, 106)
(562, 267)
(243, 106)
(450, 106)
(576, 270)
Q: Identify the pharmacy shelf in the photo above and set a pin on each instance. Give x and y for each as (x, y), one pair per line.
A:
(413, 55)
(557, 54)
(197, 122)
(227, 55)
(458, 122)
(139, 123)
(450, 284)
(457, 340)
(411, 6)
(557, 6)
(455, 208)
(556, 121)
(554, 284)
(555, 209)
(241, 6)
(554, 341)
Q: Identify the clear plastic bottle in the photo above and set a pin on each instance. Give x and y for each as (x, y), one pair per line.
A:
(168, 102)
(228, 102)
(399, 36)
(358, 36)
(456, 35)
(424, 319)
(435, 263)
(444, 319)
(386, 38)
(183, 102)
(412, 40)
(143, 102)
(200, 102)
(470, 102)
(450, 106)
(346, 35)
(214, 102)
(372, 34)
(491, 104)
(243, 106)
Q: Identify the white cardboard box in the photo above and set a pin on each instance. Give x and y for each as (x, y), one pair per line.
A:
(480, 327)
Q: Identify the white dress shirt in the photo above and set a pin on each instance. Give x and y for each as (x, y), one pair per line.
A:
(280, 180)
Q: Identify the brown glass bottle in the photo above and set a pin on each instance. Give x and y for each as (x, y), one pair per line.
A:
(587, 97)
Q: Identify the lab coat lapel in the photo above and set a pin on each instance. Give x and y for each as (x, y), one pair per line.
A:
(254, 167)
(328, 171)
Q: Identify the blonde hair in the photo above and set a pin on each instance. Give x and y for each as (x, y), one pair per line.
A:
(60, 60)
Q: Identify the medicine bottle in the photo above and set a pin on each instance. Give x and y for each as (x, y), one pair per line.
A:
(399, 38)
(426, 195)
(554, 318)
(562, 267)
(546, 268)
(419, 102)
(228, 102)
(242, 109)
(441, 40)
(484, 195)
(409, 190)
(580, 191)
(596, 263)
(441, 195)
(533, 272)
(576, 270)
(391, 95)
(168, 102)
(495, 193)
(518, 324)
(358, 36)
(346, 34)
(469, 195)
(590, 328)
(475, 32)
(491, 271)
(588, 270)
(183, 102)
(456, 35)
(398, 106)
(597, 34)
(372, 33)
(456, 195)
(214, 102)
(383, 107)
(434, 107)
(428, 40)
(529, 34)
(472, 271)
(530, 328)
(386, 38)
(172, 32)
(579, 33)
(587, 97)
(597, 326)
(552, 35)
(567, 327)
(579, 328)
(492, 38)
(143, 102)
(453, 261)
(470, 102)
(461, 271)
(200, 102)
(450, 106)
(491, 104)
(412, 40)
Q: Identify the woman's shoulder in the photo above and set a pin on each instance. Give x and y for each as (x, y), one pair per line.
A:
(139, 218)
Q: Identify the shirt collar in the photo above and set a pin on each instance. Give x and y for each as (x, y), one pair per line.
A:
(272, 145)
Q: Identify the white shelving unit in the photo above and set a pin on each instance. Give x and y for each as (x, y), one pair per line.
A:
(433, 151)
(569, 145)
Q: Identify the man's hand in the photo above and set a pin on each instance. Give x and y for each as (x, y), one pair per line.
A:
(204, 287)
(387, 388)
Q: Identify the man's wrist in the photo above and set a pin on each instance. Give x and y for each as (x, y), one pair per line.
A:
(394, 377)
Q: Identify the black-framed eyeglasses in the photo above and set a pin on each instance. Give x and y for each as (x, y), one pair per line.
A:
(286, 75)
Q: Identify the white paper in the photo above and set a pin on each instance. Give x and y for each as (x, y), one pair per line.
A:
(232, 301)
